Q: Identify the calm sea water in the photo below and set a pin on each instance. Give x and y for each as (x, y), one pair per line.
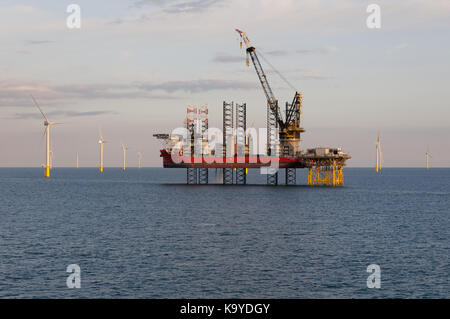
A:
(143, 233)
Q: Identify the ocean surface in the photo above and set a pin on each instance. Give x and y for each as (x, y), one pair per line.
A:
(143, 233)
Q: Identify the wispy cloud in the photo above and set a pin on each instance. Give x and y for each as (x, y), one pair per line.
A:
(311, 74)
(324, 50)
(64, 114)
(38, 42)
(401, 46)
(179, 6)
(194, 86)
(17, 94)
(277, 53)
(227, 58)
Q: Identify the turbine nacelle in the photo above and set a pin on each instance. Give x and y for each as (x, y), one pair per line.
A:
(48, 123)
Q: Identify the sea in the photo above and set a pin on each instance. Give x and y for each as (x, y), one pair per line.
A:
(144, 233)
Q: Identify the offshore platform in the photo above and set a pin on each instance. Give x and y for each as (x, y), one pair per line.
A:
(233, 149)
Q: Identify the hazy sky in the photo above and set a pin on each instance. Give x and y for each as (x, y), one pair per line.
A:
(135, 64)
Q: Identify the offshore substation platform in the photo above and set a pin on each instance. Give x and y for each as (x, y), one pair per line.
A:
(234, 148)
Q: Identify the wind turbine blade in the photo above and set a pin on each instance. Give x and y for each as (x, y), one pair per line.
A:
(100, 133)
(39, 108)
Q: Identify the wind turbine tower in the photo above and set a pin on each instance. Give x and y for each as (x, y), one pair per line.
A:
(378, 153)
(139, 154)
(47, 125)
(428, 155)
(101, 141)
(124, 150)
(77, 161)
(51, 158)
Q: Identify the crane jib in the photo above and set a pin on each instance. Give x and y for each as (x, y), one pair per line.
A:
(291, 124)
(265, 84)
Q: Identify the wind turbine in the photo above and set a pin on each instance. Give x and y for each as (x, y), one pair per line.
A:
(101, 141)
(427, 155)
(124, 150)
(139, 155)
(379, 153)
(77, 161)
(47, 125)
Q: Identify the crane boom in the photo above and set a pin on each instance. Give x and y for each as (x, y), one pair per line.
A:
(290, 128)
(271, 99)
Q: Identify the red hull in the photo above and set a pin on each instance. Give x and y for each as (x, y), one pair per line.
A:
(254, 161)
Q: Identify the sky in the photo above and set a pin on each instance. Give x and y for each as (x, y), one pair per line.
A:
(134, 65)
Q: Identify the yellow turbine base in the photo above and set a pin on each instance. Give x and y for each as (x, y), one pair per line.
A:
(101, 169)
(47, 171)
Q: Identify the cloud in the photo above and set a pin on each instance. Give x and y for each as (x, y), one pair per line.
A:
(38, 42)
(227, 58)
(314, 77)
(194, 86)
(325, 50)
(36, 115)
(17, 94)
(277, 53)
(179, 6)
(401, 46)
(311, 74)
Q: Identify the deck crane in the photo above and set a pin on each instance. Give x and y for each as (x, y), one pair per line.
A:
(289, 128)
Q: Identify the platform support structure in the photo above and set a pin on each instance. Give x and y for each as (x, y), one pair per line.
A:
(228, 140)
(203, 122)
(241, 126)
(191, 176)
(191, 118)
(291, 176)
(326, 175)
(272, 140)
